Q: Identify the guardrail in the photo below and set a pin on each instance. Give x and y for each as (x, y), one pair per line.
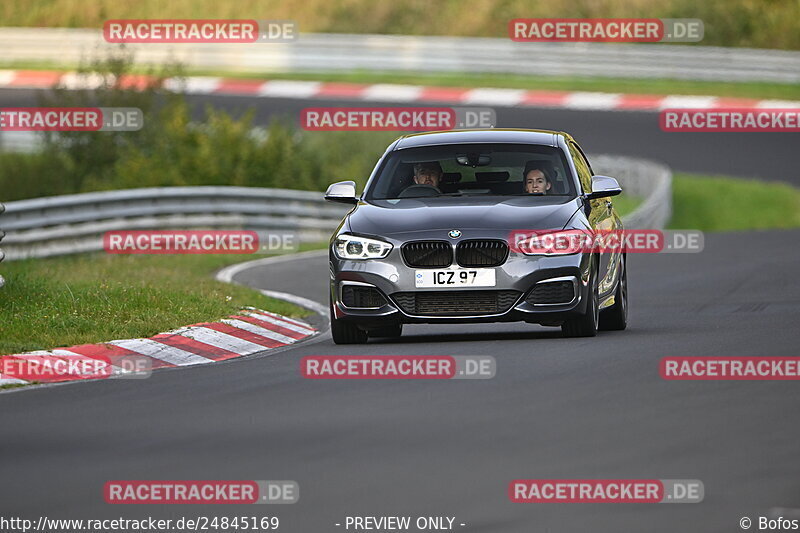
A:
(644, 178)
(341, 52)
(20, 141)
(60, 225)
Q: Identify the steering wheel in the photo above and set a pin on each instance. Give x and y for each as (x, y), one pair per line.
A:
(419, 191)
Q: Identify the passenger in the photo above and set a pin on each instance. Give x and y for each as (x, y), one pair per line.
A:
(536, 181)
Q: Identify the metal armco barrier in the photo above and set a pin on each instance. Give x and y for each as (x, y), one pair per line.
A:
(341, 52)
(643, 178)
(60, 225)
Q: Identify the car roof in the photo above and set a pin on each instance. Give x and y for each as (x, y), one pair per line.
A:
(493, 135)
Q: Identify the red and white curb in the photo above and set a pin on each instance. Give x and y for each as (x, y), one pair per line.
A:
(247, 333)
(383, 92)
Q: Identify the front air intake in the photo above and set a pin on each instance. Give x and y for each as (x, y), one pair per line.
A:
(359, 296)
(455, 303)
(552, 293)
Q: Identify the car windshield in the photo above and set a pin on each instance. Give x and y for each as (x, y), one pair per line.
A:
(458, 170)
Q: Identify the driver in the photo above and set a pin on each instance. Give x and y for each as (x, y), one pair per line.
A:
(536, 181)
(428, 173)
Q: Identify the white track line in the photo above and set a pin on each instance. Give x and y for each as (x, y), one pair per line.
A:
(75, 80)
(193, 84)
(780, 104)
(7, 77)
(226, 274)
(599, 101)
(393, 93)
(688, 102)
(290, 89)
(298, 300)
(503, 97)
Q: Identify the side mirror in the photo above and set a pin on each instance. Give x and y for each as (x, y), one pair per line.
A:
(343, 192)
(603, 186)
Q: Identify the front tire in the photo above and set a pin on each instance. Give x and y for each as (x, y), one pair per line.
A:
(586, 324)
(344, 332)
(615, 318)
(347, 332)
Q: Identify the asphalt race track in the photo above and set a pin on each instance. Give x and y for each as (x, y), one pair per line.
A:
(557, 408)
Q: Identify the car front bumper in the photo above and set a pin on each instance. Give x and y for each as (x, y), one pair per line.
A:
(520, 273)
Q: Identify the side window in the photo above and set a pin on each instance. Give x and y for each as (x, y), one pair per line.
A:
(582, 166)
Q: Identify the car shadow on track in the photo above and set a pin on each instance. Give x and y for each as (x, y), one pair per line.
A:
(470, 337)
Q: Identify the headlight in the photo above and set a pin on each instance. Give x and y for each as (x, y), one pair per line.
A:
(352, 247)
(550, 242)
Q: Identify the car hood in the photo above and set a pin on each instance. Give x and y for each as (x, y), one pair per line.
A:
(393, 217)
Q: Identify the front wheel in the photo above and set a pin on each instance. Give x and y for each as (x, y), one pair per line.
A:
(585, 325)
(344, 332)
(347, 332)
(615, 318)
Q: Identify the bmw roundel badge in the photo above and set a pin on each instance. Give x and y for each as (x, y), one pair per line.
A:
(454, 234)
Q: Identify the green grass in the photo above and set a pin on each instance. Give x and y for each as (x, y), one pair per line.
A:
(91, 298)
(720, 203)
(16, 385)
(625, 204)
(758, 90)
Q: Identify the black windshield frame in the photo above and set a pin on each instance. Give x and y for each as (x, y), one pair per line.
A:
(391, 178)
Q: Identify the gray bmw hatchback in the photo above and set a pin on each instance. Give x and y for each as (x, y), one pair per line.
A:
(431, 239)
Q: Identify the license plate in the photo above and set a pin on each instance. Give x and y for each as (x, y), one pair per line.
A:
(455, 277)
